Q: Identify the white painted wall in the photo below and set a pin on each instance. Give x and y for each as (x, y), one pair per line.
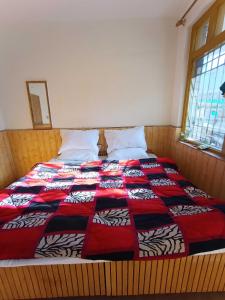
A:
(182, 52)
(105, 73)
(2, 124)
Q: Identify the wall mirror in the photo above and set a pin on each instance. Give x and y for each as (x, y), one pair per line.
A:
(39, 104)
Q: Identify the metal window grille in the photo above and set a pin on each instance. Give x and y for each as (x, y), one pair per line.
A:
(205, 121)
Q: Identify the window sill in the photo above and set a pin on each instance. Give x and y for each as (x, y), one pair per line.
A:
(208, 151)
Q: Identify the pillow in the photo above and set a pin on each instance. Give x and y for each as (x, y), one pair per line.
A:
(79, 155)
(128, 153)
(125, 138)
(79, 139)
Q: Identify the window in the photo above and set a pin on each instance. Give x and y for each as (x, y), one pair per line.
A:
(204, 109)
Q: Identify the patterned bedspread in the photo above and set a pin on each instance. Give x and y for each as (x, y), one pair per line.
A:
(114, 210)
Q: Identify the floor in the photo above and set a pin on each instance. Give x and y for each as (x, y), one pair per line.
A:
(192, 296)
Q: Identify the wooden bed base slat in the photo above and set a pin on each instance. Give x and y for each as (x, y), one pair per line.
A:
(203, 273)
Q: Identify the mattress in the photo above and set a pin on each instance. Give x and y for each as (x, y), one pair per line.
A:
(67, 260)
(55, 159)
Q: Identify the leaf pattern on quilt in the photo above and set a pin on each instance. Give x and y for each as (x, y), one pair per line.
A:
(150, 166)
(17, 200)
(43, 175)
(69, 169)
(166, 240)
(162, 182)
(133, 173)
(194, 192)
(14, 185)
(28, 220)
(111, 184)
(112, 217)
(141, 194)
(188, 210)
(80, 197)
(110, 167)
(60, 245)
(87, 175)
(58, 185)
(171, 171)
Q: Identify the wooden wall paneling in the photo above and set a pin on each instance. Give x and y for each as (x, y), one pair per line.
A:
(210, 175)
(218, 177)
(206, 171)
(7, 174)
(32, 146)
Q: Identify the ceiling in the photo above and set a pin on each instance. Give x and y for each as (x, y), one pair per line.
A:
(26, 11)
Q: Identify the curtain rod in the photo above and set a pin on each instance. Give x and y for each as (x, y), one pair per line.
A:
(182, 20)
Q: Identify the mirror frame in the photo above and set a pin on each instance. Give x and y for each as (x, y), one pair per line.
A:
(36, 126)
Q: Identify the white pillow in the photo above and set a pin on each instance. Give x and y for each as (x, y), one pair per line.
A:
(125, 138)
(79, 139)
(79, 155)
(128, 153)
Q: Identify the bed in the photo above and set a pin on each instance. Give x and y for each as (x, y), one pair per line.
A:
(146, 246)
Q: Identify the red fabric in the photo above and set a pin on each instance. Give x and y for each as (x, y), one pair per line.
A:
(136, 209)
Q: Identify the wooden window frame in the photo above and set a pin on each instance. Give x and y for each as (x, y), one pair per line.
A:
(213, 40)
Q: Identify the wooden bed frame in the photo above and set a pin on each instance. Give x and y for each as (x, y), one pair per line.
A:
(200, 273)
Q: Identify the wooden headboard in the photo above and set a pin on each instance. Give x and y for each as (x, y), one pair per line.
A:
(20, 150)
(31, 146)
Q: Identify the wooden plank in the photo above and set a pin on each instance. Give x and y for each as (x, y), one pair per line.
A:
(213, 276)
(170, 275)
(108, 279)
(63, 282)
(164, 276)
(119, 278)
(208, 273)
(68, 278)
(125, 278)
(219, 275)
(102, 278)
(130, 277)
(14, 277)
(141, 277)
(221, 286)
(153, 277)
(158, 277)
(91, 279)
(136, 277)
(85, 280)
(191, 277)
(5, 286)
(198, 273)
(113, 269)
(78, 289)
(186, 274)
(34, 281)
(80, 280)
(147, 277)
(96, 277)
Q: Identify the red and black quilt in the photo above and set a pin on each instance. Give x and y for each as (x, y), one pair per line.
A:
(113, 210)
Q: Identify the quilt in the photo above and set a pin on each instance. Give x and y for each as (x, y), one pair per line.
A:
(112, 210)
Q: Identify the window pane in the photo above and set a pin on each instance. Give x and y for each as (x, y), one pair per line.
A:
(202, 34)
(220, 27)
(206, 110)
